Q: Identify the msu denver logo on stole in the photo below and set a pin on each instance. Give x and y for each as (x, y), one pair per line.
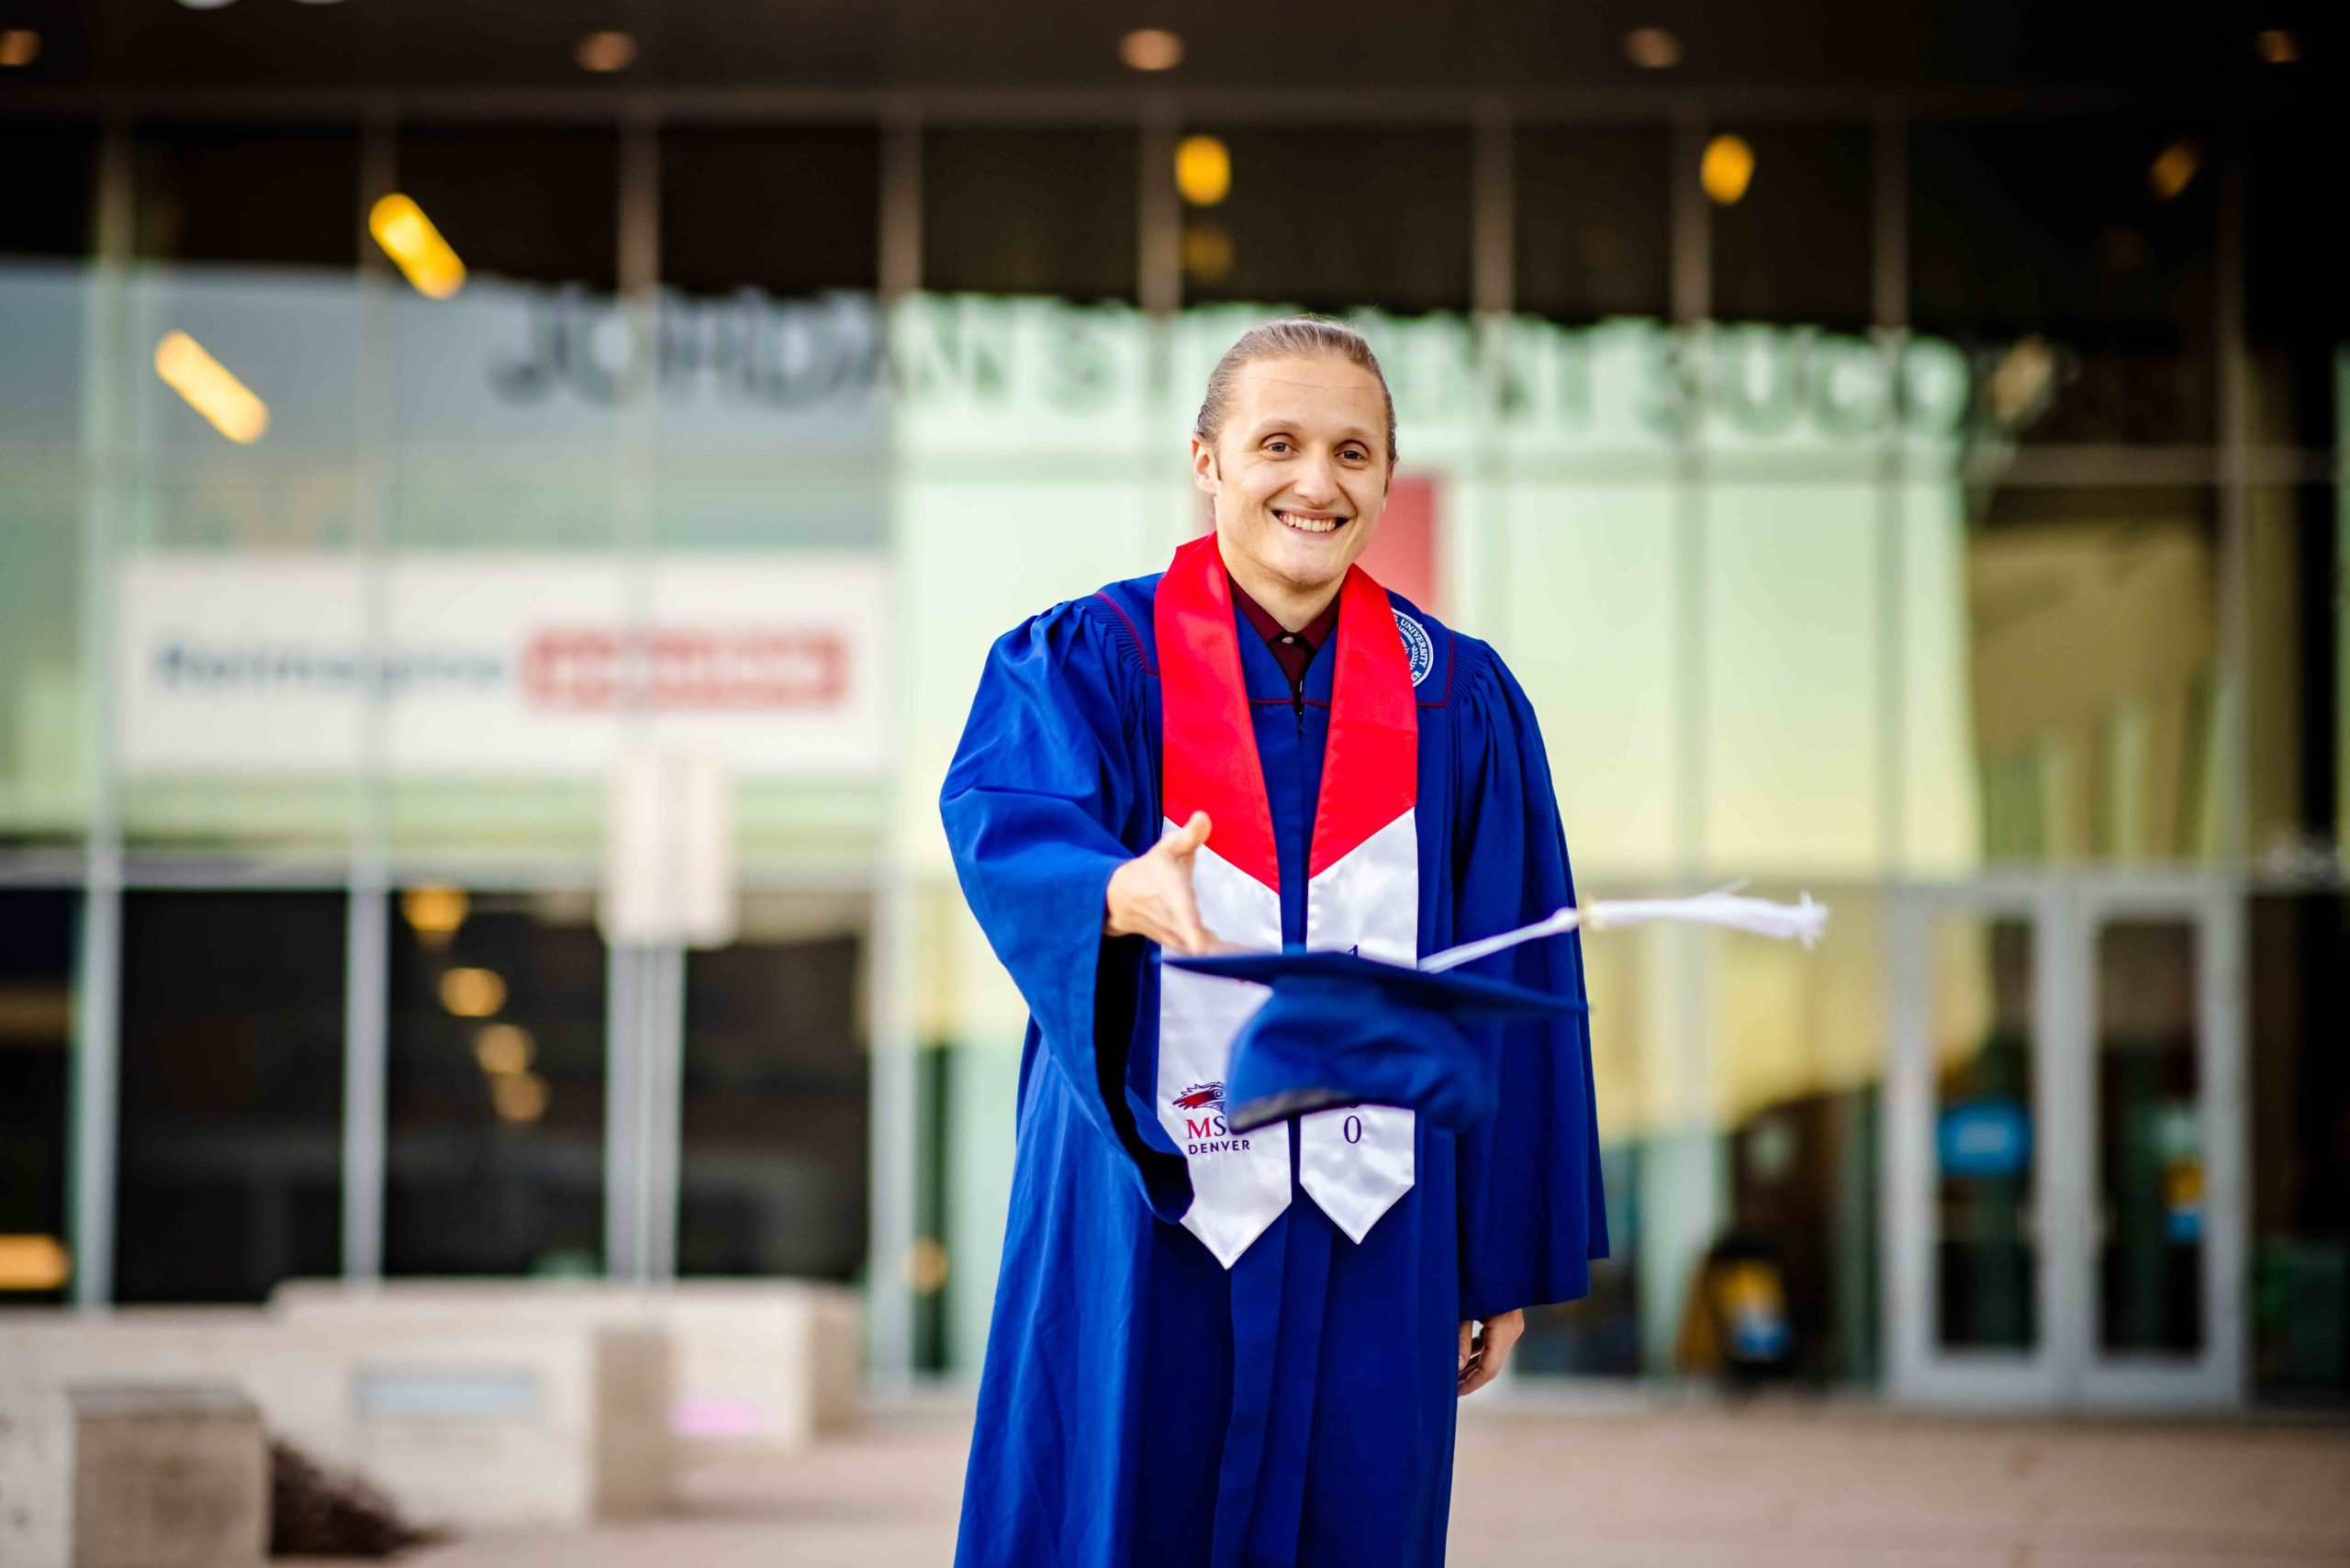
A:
(1207, 1131)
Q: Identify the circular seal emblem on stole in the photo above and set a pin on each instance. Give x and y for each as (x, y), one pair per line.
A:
(1418, 650)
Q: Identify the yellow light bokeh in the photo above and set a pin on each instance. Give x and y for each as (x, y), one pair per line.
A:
(473, 993)
(518, 1096)
(416, 247)
(434, 912)
(504, 1049)
(18, 46)
(605, 52)
(34, 1263)
(2174, 169)
(1151, 49)
(1203, 170)
(1207, 252)
(2278, 46)
(211, 388)
(1726, 169)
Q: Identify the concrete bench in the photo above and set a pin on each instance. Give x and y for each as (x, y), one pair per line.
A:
(131, 1475)
(461, 1422)
(763, 1367)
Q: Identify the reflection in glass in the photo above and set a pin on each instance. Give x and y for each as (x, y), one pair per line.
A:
(495, 1079)
(1987, 1257)
(37, 942)
(230, 1163)
(772, 1168)
(2093, 632)
(2150, 1139)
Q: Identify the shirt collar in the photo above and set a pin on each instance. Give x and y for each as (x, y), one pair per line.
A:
(1313, 633)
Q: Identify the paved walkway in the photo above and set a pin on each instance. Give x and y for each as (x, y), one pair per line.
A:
(1608, 1486)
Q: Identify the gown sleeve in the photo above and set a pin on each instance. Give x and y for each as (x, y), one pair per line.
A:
(1532, 1211)
(1041, 784)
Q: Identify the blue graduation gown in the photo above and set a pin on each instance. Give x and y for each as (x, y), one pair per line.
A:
(1139, 1405)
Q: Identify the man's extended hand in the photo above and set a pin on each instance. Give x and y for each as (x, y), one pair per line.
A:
(1485, 1348)
(1151, 895)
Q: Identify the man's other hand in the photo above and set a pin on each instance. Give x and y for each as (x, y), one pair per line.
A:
(1485, 1348)
(1151, 895)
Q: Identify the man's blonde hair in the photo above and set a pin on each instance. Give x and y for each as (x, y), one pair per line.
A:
(1292, 337)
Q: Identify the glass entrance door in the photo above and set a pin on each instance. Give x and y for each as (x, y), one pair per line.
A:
(2165, 1115)
(2063, 1150)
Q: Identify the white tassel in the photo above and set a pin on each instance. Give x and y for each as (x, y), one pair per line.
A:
(1805, 922)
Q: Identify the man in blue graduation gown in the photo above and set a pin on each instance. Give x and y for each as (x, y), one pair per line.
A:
(1211, 1349)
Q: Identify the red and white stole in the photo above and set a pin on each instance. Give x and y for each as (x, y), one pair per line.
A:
(1362, 891)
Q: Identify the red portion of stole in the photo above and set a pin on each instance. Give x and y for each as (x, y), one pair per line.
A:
(1370, 767)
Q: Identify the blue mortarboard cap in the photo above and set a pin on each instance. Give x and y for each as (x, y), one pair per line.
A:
(1341, 1029)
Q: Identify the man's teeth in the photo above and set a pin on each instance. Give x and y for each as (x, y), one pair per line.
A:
(1310, 525)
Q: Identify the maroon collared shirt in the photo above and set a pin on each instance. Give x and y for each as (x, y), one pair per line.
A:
(1293, 650)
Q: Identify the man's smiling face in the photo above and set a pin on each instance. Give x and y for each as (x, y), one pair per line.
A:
(1299, 473)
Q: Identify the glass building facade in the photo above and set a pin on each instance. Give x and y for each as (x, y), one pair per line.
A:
(1937, 514)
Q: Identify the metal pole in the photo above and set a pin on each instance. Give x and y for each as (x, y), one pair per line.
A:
(2232, 577)
(1158, 250)
(367, 945)
(659, 1110)
(892, 1217)
(107, 403)
(889, 1304)
(623, 1036)
(901, 237)
(1890, 286)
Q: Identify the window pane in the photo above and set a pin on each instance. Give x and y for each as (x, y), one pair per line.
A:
(1797, 1047)
(42, 699)
(2297, 316)
(2150, 1139)
(1337, 219)
(2091, 622)
(2298, 986)
(284, 194)
(1791, 241)
(36, 946)
(1790, 620)
(2093, 243)
(1593, 222)
(541, 206)
(775, 399)
(1986, 1260)
(789, 212)
(773, 1166)
(51, 169)
(496, 1080)
(508, 392)
(231, 1125)
(1030, 212)
(2294, 670)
